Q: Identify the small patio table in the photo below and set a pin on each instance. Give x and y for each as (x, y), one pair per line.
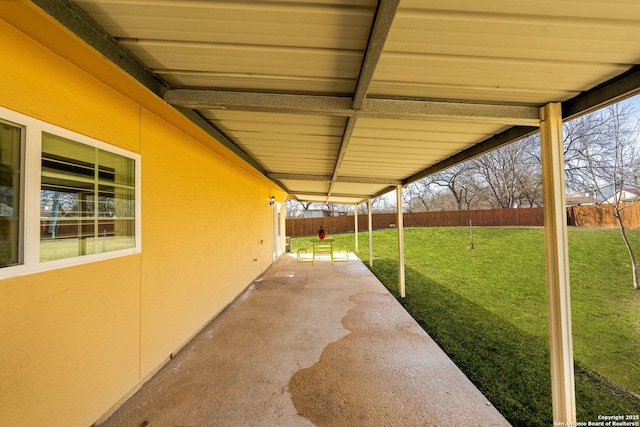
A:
(322, 247)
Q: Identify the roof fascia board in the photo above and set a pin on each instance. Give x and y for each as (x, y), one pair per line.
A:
(614, 90)
(78, 22)
(340, 106)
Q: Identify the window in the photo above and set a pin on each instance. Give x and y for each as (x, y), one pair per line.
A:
(10, 192)
(65, 198)
(87, 200)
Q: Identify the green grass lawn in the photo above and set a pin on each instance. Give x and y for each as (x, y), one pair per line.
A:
(487, 308)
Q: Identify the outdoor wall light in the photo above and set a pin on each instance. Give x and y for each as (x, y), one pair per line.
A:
(272, 201)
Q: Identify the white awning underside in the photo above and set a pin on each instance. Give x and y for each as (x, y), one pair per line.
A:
(342, 100)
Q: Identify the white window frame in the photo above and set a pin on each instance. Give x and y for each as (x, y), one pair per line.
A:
(32, 158)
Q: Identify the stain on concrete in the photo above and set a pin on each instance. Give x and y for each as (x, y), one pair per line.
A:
(330, 336)
(382, 374)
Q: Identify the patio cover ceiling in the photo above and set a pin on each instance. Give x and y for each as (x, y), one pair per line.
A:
(342, 100)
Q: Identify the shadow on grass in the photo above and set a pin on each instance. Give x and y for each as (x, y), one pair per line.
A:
(509, 366)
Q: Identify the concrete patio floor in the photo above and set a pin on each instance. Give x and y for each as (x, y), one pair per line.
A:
(310, 345)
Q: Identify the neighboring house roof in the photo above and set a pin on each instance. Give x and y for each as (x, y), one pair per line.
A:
(578, 200)
(316, 213)
(625, 195)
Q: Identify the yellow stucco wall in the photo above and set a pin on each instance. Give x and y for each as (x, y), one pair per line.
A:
(221, 218)
(69, 342)
(75, 341)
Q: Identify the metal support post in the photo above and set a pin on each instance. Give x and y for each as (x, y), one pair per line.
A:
(555, 225)
(355, 219)
(400, 229)
(370, 233)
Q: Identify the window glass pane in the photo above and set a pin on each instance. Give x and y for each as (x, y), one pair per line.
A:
(10, 224)
(111, 163)
(87, 200)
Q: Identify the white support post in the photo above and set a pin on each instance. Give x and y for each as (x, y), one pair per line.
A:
(370, 233)
(400, 229)
(355, 219)
(555, 225)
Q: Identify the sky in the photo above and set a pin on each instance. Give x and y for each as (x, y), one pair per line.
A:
(634, 100)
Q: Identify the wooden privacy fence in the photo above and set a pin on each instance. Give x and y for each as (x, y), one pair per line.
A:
(600, 216)
(345, 224)
(580, 216)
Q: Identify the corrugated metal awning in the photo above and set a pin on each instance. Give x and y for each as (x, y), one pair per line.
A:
(342, 100)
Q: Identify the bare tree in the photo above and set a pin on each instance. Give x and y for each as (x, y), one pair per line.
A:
(384, 204)
(293, 208)
(461, 181)
(442, 200)
(508, 177)
(530, 180)
(512, 174)
(606, 159)
(417, 195)
(585, 139)
(362, 209)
